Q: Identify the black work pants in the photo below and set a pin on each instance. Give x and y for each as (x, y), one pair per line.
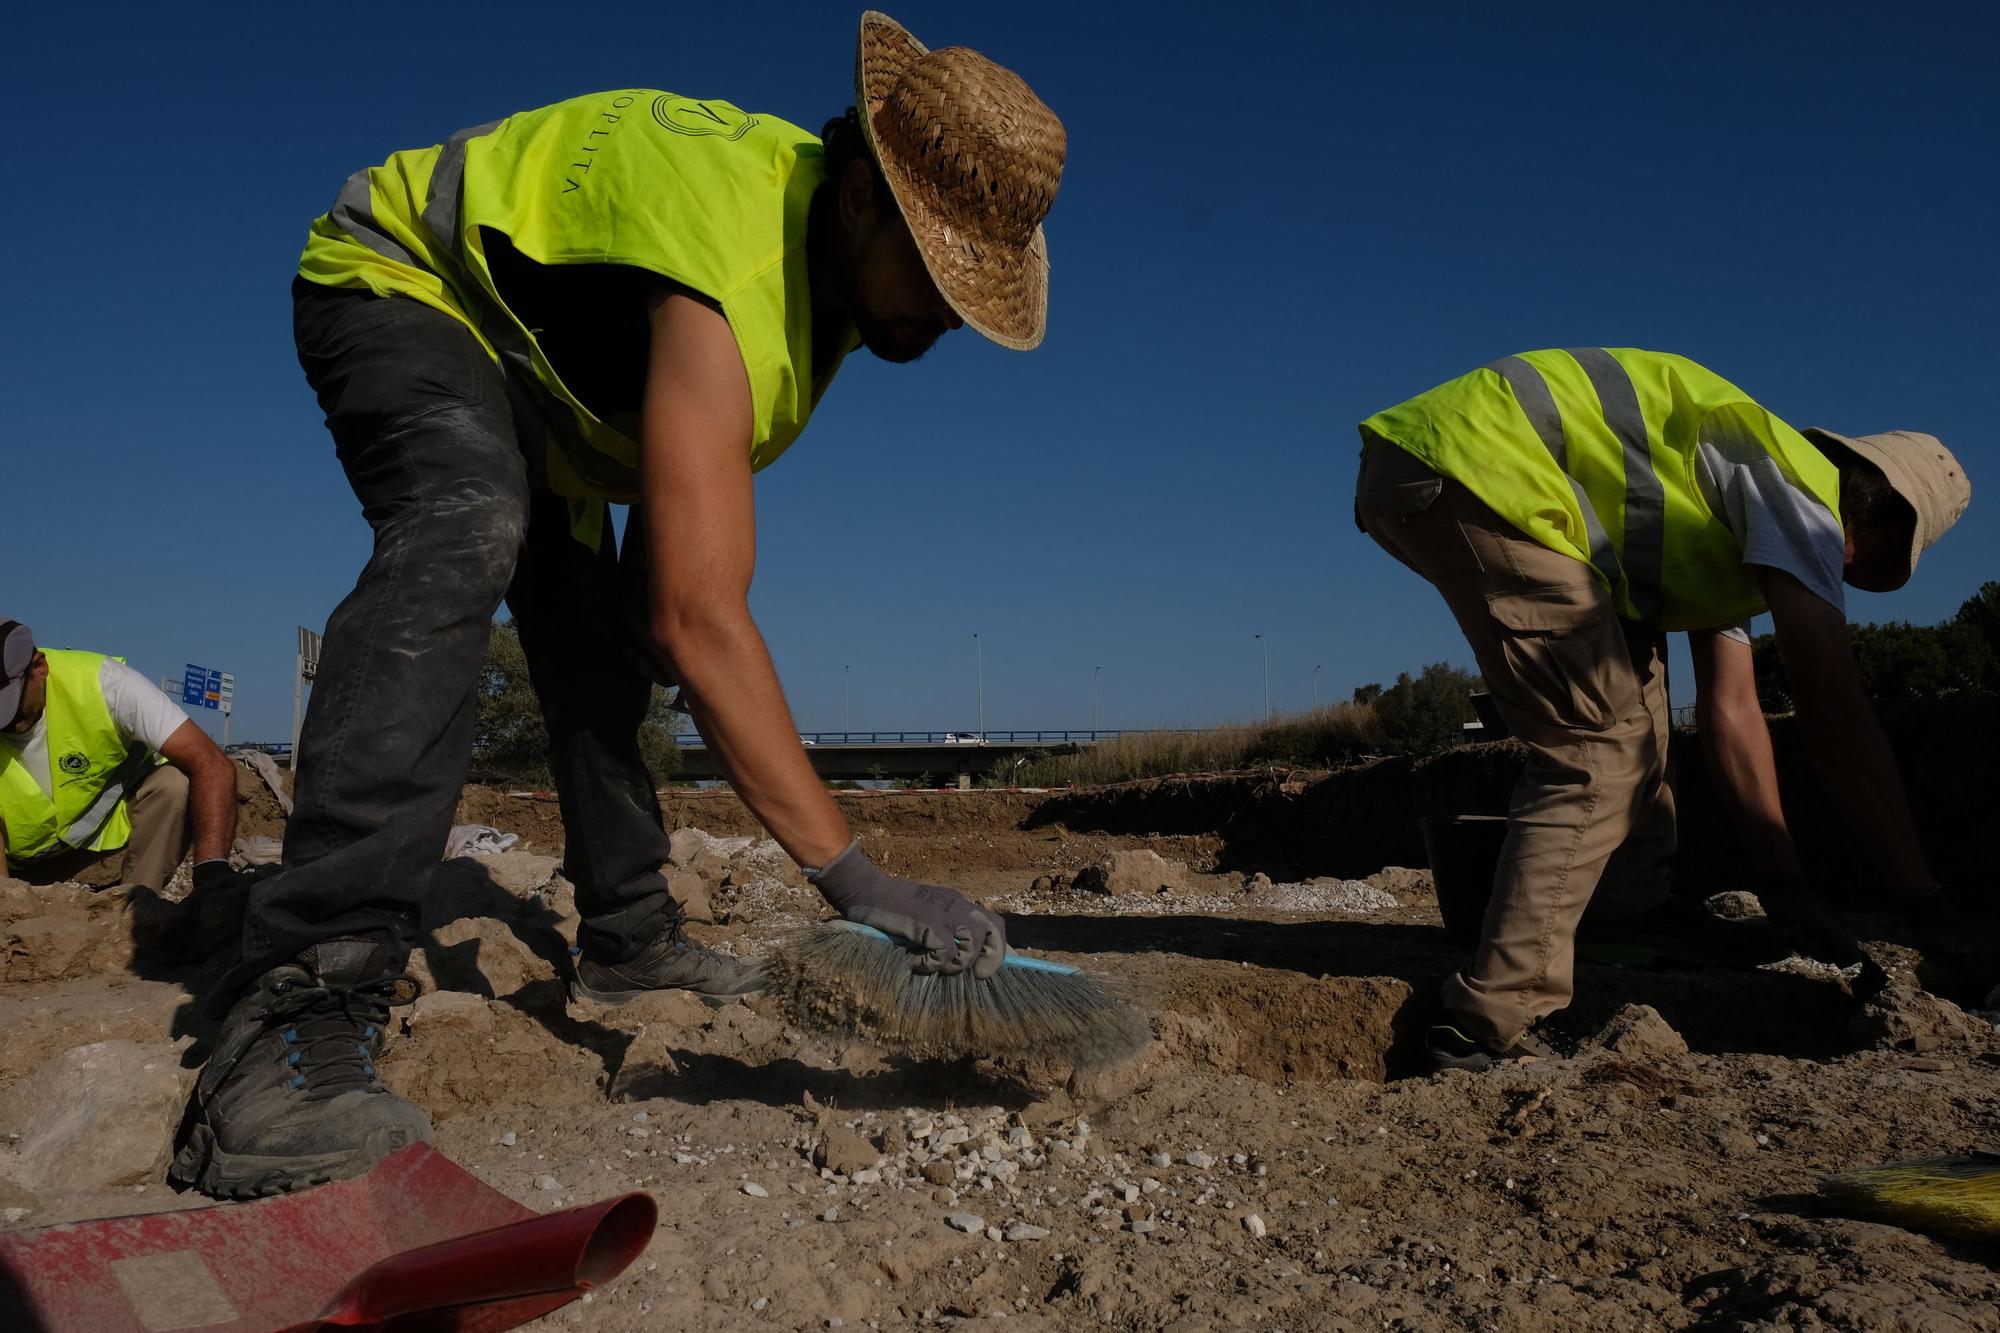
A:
(423, 427)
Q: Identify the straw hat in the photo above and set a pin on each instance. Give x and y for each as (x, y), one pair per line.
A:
(973, 159)
(1921, 470)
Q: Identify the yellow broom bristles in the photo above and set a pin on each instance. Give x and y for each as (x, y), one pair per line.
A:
(1956, 1196)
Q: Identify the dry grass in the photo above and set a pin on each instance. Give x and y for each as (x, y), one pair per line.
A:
(1334, 734)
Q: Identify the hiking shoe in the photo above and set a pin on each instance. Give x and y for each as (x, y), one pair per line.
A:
(290, 1097)
(1451, 1048)
(671, 962)
(1678, 933)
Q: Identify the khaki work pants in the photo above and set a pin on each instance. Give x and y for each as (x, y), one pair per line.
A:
(1584, 689)
(158, 807)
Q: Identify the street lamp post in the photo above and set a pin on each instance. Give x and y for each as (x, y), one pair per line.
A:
(1093, 700)
(846, 722)
(979, 669)
(1267, 672)
(1315, 688)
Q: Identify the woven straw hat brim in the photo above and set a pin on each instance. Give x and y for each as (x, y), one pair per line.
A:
(999, 289)
(1920, 469)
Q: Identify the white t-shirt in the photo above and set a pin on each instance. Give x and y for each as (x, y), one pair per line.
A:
(142, 713)
(1778, 525)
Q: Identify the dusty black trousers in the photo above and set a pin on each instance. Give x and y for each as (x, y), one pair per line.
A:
(423, 427)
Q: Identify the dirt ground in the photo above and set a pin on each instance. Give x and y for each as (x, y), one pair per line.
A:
(1275, 1160)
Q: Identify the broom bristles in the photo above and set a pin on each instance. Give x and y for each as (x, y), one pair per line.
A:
(838, 981)
(1953, 1196)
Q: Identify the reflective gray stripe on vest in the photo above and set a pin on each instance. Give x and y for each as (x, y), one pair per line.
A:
(1645, 498)
(354, 213)
(85, 826)
(442, 209)
(1538, 404)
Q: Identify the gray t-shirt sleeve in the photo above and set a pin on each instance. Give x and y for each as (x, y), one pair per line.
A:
(1779, 525)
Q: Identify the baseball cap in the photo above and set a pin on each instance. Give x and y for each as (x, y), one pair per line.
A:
(17, 654)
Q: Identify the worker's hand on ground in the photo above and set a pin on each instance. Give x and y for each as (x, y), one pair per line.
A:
(1791, 901)
(949, 931)
(213, 877)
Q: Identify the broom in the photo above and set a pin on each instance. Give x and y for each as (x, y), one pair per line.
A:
(848, 979)
(1957, 1196)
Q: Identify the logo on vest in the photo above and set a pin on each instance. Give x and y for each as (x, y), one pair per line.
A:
(701, 117)
(73, 762)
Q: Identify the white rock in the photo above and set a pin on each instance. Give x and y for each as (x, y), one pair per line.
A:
(760, 1302)
(1003, 1172)
(1019, 1137)
(1200, 1161)
(1254, 1225)
(96, 1115)
(1025, 1231)
(1145, 1226)
(1149, 1186)
(548, 1184)
(866, 1176)
(993, 1233)
(755, 1191)
(970, 1223)
(507, 1139)
(954, 1136)
(1162, 1159)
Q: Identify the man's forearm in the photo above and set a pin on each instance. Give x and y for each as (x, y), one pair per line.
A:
(1737, 744)
(735, 697)
(1854, 762)
(212, 802)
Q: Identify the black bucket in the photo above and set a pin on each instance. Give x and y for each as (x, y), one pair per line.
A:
(1464, 851)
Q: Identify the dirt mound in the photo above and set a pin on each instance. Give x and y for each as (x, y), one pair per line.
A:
(1252, 1169)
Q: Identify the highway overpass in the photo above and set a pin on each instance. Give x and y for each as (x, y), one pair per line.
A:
(949, 758)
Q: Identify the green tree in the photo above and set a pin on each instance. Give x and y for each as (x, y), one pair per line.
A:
(512, 741)
(1427, 712)
(1899, 660)
(512, 744)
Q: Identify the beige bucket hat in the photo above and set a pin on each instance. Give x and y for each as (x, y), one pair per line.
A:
(1921, 470)
(973, 158)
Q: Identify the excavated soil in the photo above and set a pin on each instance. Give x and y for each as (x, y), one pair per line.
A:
(1275, 1160)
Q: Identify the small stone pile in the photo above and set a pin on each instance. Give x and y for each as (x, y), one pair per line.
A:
(993, 1177)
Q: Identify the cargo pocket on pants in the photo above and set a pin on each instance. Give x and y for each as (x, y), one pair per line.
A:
(1565, 656)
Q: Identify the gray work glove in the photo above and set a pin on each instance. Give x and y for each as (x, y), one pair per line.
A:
(948, 931)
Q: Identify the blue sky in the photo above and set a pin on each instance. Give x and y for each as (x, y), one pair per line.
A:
(1276, 219)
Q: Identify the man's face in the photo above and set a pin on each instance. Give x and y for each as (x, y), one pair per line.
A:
(34, 696)
(1875, 555)
(896, 307)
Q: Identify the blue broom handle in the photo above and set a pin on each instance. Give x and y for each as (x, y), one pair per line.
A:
(1019, 961)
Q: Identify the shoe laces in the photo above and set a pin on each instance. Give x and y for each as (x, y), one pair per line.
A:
(331, 1030)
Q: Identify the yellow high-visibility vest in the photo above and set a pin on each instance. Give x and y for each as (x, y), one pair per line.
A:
(91, 767)
(693, 189)
(1591, 451)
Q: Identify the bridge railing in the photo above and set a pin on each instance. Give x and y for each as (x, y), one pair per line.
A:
(691, 741)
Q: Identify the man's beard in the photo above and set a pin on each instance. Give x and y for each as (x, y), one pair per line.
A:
(898, 341)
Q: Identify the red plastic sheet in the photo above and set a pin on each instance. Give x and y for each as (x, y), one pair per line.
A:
(417, 1244)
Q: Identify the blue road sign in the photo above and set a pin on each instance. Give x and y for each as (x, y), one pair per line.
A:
(201, 687)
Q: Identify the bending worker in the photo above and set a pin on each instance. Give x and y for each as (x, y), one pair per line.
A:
(96, 760)
(635, 297)
(1572, 506)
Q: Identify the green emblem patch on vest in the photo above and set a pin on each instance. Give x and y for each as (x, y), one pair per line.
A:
(702, 116)
(74, 762)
